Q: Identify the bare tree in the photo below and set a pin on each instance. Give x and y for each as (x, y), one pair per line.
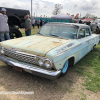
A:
(57, 9)
(88, 16)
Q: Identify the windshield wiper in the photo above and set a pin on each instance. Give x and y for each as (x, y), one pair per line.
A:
(53, 35)
(39, 33)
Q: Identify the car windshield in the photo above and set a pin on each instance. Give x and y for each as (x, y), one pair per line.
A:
(99, 20)
(59, 30)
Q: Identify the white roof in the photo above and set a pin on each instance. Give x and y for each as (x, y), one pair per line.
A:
(61, 16)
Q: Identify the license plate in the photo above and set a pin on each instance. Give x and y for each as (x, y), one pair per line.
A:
(17, 69)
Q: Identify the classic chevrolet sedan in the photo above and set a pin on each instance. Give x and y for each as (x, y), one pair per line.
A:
(51, 51)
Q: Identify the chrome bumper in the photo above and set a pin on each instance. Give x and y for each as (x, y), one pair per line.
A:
(31, 69)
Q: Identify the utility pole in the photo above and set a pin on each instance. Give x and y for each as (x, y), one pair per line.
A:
(31, 9)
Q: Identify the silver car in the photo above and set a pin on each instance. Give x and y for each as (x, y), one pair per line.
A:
(96, 26)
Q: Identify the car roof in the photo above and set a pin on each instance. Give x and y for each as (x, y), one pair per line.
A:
(97, 19)
(76, 24)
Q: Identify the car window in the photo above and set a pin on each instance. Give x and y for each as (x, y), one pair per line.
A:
(59, 30)
(81, 34)
(54, 30)
(96, 20)
(69, 32)
(87, 32)
(99, 20)
(45, 30)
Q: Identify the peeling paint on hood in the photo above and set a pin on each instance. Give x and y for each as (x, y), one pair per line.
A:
(36, 44)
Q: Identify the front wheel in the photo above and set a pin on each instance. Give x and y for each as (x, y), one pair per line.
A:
(15, 33)
(65, 68)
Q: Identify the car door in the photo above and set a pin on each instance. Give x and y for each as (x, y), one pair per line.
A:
(89, 39)
(83, 48)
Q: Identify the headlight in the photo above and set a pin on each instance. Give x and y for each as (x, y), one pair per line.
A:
(41, 62)
(2, 50)
(48, 63)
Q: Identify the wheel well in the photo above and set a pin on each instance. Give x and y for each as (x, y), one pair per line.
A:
(71, 61)
(95, 45)
(14, 20)
(14, 30)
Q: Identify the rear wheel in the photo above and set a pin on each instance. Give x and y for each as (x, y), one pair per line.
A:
(92, 49)
(15, 33)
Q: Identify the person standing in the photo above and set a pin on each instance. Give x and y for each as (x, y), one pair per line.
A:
(4, 28)
(38, 23)
(88, 23)
(41, 23)
(28, 25)
(80, 22)
(33, 22)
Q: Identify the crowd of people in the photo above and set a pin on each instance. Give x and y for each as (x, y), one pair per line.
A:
(84, 22)
(29, 23)
(39, 23)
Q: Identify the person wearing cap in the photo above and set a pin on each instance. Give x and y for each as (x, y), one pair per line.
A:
(4, 28)
(38, 22)
(28, 25)
(33, 22)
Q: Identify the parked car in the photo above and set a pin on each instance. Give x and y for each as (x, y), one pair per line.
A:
(51, 51)
(96, 26)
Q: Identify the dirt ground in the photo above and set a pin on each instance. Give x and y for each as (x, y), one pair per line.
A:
(68, 87)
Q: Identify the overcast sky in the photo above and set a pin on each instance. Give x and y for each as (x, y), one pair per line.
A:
(45, 7)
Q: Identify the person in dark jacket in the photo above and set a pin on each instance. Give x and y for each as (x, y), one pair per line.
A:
(88, 23)
(41, 23)
(4, 28)
(38, 23)
(80, 22)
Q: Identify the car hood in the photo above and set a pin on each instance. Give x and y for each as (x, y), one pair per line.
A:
(36, 44)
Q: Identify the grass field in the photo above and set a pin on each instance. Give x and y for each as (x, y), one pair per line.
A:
(89, 68)
(33, 31)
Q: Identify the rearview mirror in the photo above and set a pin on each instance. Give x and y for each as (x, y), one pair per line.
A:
(83, 30)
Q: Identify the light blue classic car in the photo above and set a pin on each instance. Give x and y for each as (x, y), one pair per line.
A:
(51, 51)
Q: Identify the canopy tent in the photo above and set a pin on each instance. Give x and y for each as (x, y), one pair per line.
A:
(87, 19)
(75, 21)
(71, 17)
(61, 16)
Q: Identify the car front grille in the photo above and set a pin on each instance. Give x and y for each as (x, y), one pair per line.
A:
(24, 57)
